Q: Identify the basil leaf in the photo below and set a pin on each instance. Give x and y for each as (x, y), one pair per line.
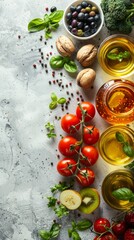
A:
(83, 224)
(46, 19)
(61, 100)
(130, 166)
(119, 137)
(123, 193)
(56, 62)
(128, 150)
(45, 235)
(53, 105)
(56, 16)
(76, 236)
(54, 97)
(54, 26)
(131, 198)
(36, 25)
(70, 67)
(55, 230)
(70, 233)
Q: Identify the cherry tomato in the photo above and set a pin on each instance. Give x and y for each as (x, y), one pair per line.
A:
(91, 135)
(90, 111)
(68, 146)
(101, 225)
(129, 234)
(89, 155)
(129, 218)
(106, 236)
(119, 228)
(67, 167)
(70, 123)
(85, 177)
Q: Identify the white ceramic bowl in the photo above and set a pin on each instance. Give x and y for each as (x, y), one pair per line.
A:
(75, 3)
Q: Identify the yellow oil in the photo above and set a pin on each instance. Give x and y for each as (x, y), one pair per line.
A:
(115, 67)
(111, 150)
(115, 180)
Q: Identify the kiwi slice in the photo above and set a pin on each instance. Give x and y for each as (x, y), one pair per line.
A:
(90, 200)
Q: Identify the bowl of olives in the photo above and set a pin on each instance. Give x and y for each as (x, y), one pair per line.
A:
(83, 19)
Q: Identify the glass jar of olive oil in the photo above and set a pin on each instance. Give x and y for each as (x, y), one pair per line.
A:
(115, 101)
(118, 179)
(113, 144)
(116, 55)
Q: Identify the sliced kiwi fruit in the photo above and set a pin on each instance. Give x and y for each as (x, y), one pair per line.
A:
(90, 200)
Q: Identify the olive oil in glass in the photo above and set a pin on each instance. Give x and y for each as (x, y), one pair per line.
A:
(115, 180)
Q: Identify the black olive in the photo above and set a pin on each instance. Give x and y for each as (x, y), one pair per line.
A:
(84, 4)
(53, 9)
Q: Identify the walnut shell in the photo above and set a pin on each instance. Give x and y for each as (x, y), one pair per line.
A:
(65, 46)
(86, 77)
(86, 55)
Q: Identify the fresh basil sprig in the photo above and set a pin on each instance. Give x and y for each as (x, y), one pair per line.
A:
(124, 194)
(55, 101)
(116, 54)
(49, 23)
(79, 226)
(127, 148)
(58, 62)
(53, 233)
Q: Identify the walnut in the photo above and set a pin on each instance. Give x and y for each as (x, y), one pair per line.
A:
(86, 77)
(86, 55)
(65, 46)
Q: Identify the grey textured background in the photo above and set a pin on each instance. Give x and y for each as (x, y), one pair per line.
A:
(26, 174)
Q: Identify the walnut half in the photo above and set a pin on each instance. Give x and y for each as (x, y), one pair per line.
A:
(86, 55)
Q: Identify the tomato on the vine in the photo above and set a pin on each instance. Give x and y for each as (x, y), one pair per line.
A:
(129, 218)
(129, 234)
(101, 225)
(85, 177)
(70, 123)
(106, 236)
(89, 155)
(90, 135)
(88, 108)
(119, 228)
(68, 146)
(67, 167)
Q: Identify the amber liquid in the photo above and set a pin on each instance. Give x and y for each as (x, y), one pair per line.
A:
(115, 180)
(116, 67)
(120, 112)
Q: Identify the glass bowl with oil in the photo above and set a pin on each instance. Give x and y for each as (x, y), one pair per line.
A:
(113, 145)
(116, 55)
(118, 179)
(115, 101)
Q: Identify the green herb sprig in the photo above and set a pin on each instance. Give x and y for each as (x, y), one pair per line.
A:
(78, 226)
(55, 101)
(52, 233)
(124, 194)
(50, 129)
(117, 54)
(127, 148)
(58, 62)
(49, 23)
(130, 166)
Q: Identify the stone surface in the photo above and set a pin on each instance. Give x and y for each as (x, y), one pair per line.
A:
(26, 173)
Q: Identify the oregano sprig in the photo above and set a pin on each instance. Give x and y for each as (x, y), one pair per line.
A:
(50, 129)
(127, 148)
